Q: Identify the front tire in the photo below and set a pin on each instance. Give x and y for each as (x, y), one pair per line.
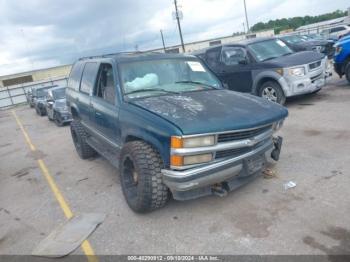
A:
(141, 178)
(38, 111)
(57, 120)
(79, 137)
(273, 92)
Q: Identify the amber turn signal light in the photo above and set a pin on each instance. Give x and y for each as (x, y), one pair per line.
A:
(176, 160)
(176, 142)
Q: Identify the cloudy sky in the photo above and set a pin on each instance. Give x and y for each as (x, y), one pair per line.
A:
(37, 33)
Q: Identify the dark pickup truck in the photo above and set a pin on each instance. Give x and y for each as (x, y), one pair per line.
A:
(168, 125)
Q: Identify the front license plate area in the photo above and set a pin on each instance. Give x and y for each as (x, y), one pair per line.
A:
(255, 164)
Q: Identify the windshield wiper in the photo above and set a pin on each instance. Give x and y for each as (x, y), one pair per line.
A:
(152, 90)
(194, 82)
(289, 53)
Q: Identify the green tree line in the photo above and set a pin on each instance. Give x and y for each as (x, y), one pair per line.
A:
(295, 22)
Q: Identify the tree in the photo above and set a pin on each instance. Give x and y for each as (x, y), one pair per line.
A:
(295, 22)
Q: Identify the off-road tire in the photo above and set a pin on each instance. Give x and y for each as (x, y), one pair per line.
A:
(280, 97)
(347, 71)
(79, 137)
(148, 192)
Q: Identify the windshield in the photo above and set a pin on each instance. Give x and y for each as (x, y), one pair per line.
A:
(269, 49)
(59, 93)
(156, 77)
(293, 39)
(42, 92)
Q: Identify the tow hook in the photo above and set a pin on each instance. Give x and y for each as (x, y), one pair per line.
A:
(219, 190)
(277, 142)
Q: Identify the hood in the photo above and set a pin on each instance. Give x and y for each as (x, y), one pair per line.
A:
(213, 110)
(299, 58)
(314, 42)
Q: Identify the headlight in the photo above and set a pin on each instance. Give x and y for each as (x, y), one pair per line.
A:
(188, 142)
(297, 71)
(277, 125)
(191, 142)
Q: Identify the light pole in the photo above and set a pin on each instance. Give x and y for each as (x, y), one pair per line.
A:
(246, 16)
(179, 26)
(161, 34)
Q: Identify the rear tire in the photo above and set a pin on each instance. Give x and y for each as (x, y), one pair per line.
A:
(273, 92)
(141, 178)
(79, 137)
(347, 71)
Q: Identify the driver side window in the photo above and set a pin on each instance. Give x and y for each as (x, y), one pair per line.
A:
(105, 87)
(233, 55)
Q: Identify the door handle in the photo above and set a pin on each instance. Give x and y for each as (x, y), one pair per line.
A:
(98, 114)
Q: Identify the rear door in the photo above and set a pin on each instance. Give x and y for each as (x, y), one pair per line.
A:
(235, 69)
(104, 106)
(86, 86)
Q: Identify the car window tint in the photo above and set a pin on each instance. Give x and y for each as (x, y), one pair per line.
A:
(105, 87)
(337, 29)
(75, 75)
(232, 55)
(89, 77)
(212, 58)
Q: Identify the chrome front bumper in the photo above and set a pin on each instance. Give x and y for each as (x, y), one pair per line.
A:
(196, 182)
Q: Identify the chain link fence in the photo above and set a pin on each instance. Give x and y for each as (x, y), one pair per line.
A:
(16, 94)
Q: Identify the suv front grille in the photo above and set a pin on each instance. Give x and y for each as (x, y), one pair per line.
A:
(232, 152)
(315, 65)
(237, 151)
(239, 135)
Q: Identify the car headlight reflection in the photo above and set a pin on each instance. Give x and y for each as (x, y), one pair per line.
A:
(297, 71)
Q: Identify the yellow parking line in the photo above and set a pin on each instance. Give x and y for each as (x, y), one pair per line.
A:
(86, 247)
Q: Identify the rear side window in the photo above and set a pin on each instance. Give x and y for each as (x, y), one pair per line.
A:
(89, 77)
(75, 75)
(213, 57)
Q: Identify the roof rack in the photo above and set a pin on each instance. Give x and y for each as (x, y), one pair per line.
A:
(119, 53)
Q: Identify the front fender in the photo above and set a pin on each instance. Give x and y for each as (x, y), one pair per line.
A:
(271, 75)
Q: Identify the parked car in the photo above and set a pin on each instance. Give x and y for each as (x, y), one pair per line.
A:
(29, 97)
(303, 43)
(56, 106)
(336, 32)
(266, 67)
(342, 58)
(166, 122)
(39, 99)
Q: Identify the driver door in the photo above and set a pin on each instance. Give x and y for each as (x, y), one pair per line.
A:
(236, 69)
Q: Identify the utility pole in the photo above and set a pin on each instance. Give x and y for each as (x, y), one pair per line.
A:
(178, 24)
(161, 34)
(246, 16)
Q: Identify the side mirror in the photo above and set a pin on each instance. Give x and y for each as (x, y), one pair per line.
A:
(243, 62)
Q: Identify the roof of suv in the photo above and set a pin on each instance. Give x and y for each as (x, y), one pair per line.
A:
(138, 56)
(242, 43)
